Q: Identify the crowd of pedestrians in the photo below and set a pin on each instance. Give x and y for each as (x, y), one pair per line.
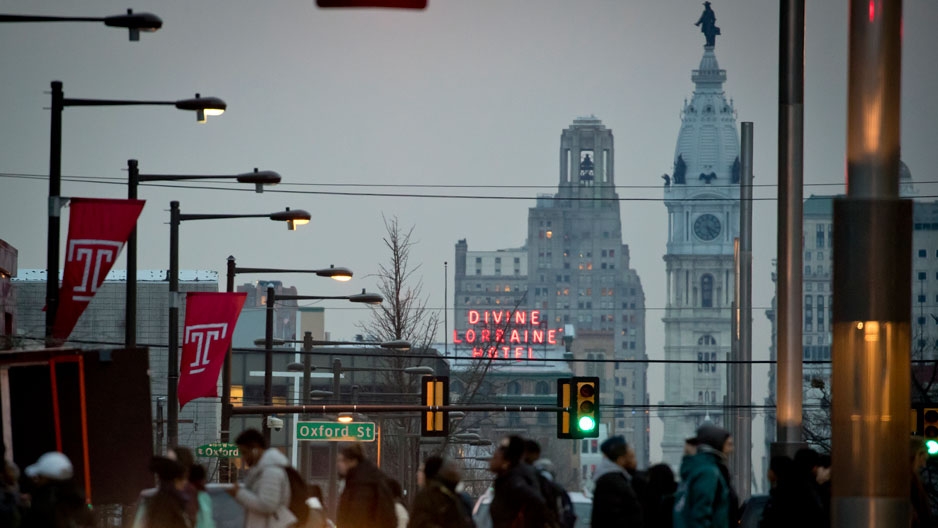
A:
(524, 492)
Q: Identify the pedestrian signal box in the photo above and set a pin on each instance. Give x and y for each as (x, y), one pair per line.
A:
(435, 393)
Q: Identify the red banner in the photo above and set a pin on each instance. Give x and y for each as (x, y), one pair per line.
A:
(210, 322)
(97, 231)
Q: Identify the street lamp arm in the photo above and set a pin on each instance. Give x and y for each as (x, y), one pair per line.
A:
(40, 18)
(268, 177)
(211, 216)
(282, 270)
(71, 101)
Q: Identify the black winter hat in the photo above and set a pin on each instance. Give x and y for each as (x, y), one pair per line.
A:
(712, 435)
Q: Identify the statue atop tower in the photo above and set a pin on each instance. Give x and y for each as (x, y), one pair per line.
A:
(708, 25)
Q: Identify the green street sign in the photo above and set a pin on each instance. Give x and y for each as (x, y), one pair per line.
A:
(218, 450)
(335, 431)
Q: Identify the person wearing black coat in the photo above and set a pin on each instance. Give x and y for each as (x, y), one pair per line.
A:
(517, 501)
(437, 505)
(615, 503)
(366, 501)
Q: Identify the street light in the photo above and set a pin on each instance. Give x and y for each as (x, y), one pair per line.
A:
(133, 22)
(272, 297)
(336, 273)
(175, 217)
(134, 178)
(201, 105)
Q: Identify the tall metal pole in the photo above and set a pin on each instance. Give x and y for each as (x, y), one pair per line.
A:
(744, 346)
(872, 281)
(224, 471)
(790, 211)
(268, 359)
(445, 309)
(130, 318)
(55, 191)
(333, 447)
(307, 367)
(172, 356)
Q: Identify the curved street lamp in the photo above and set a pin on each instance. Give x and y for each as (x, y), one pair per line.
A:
(202, 106)
(133, 22)
(134, 178)
(175, 217)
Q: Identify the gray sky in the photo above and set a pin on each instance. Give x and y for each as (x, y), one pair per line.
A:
(466, 92)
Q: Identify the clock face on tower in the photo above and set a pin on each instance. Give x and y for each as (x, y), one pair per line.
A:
(707, 227)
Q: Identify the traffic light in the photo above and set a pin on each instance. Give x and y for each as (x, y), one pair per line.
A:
(930, 429)
(564, 415)
(435, 393)
(586, 407)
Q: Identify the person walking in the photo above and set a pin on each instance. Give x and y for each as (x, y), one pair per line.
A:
(517, 501)
(55, 501)
(317, 512)
(167, 507)
(197, 479)
(559, 509)
(265, 495)
(659, 505)
(400, 510)
(437, 504)
(921, 509)
(366, 501)
(703, 497)
(614, 500)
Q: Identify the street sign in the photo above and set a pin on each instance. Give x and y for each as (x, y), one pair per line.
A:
(335, 431)
(218, 450)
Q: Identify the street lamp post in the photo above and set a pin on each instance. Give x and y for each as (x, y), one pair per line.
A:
(201, 105)
(272, 297)
(133, 22)
(336, 273)
(293, 218)
(134, 178)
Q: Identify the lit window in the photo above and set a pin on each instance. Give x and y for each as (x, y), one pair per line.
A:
(550, 234)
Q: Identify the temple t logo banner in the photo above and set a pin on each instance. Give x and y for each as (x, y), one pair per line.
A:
(210, 322)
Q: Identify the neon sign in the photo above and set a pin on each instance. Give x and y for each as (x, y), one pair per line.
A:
(497, 335)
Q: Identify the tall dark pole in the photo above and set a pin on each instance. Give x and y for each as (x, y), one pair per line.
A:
(225, 433)
(307, 367)
(130, 319)
(172, 356)
(55, 209)
(872, 280)
(268, 358)
(743, 396)
(790, 196)
(333, 447)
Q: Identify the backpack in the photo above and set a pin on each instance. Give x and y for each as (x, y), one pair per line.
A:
(299, 492)
(559, 511)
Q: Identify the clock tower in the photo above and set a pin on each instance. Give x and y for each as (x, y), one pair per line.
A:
(702, 197)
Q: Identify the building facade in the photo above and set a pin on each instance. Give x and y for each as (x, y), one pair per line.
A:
(101, 326)
(8, 263)
(702, 198)
(572, 276)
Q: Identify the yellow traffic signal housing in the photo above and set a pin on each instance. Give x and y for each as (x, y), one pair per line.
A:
(586, 407)
(435, 393)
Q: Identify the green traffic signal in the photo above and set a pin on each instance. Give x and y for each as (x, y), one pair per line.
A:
(932, 447)
(587, 424)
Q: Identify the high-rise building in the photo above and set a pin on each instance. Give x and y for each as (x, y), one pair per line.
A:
(702, 197)
(572, 276)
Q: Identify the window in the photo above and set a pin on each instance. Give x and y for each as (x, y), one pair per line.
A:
(922, 253)
(921, 298)
(542, 388)
(820, 236)
(707, 340)
(706, 291)
(921, 275)
(514, 388)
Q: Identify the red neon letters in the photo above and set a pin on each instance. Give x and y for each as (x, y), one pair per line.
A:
(505, 334)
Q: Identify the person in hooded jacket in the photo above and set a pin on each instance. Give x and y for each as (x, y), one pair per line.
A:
(437, 505)
(367, 500)
(517, 501)
(167, 507)
(265, 494)
(56, 501)
(703, 498)
(615, 502)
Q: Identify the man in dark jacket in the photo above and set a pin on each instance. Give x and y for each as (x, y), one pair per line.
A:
(366, 501)
(517, 500)
(614, 500)
(437, 505)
